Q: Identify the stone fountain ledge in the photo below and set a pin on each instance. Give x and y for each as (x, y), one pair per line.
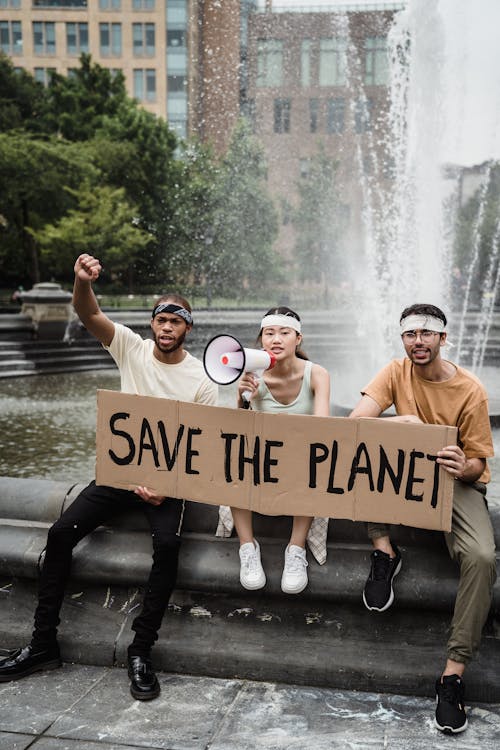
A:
(324, 637)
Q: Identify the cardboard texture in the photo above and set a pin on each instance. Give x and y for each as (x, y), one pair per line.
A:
(359, 469)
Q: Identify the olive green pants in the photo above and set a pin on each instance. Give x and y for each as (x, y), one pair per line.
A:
(471, 544)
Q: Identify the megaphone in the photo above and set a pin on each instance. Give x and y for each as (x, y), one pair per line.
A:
(225, 360)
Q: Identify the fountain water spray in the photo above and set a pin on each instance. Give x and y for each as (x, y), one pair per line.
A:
(443, 120)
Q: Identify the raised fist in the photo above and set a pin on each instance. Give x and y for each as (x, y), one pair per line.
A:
(87, 268)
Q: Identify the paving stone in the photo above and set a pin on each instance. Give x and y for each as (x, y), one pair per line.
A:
(184, 717)
(279, 717)
(31, 705)
(90, 708)
(53, 743)
(11, 741)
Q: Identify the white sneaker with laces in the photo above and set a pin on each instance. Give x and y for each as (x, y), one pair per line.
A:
(252, 574)
(294, 578)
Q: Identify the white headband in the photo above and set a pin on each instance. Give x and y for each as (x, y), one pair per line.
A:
(422, 322)
(284, 321)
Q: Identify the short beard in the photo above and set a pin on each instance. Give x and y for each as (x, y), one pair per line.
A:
(172, 348)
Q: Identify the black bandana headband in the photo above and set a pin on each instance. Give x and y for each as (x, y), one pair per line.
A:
(170, 307)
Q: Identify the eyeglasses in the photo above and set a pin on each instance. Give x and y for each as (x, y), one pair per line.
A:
(409, 337)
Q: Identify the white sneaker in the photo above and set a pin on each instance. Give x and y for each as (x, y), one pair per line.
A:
(294, 578)
(252, 574)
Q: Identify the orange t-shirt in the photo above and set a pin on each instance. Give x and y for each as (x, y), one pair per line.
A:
(461, 402)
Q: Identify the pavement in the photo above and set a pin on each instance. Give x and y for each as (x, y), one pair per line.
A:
(83, 707)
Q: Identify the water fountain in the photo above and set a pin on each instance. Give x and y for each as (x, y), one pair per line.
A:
(444, 127)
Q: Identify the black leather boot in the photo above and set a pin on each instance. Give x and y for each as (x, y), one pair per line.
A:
(144, 683)
(24, 661)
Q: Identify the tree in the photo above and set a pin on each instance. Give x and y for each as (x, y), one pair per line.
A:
(219, 222)
(119, 144)
(196, 219)
(103, 224)
(319, 222)
(136, 150)
(34, 175)
(79, 104)
(236, 253)
(23, 101)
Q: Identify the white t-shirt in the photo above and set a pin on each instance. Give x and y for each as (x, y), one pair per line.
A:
(141, 373)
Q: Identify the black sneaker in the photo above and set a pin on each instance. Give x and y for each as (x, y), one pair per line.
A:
(378, 593)
(24, 661)
(450, 709)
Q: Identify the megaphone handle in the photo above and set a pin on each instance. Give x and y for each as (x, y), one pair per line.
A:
(247, 395)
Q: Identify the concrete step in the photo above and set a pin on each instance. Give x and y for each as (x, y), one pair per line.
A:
(211, 565)
(286, 640)
(324, 636)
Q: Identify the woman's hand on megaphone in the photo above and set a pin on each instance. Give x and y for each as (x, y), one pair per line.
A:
(247, 388)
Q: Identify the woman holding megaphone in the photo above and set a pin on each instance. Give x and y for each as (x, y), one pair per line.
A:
(293, 385)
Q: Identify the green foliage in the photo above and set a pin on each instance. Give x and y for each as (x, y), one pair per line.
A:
(218, 229)
(87, 169)
(79, 104)
(23, 101)
(104, 224)
(236, 252)
(319, 221)
(34, 175)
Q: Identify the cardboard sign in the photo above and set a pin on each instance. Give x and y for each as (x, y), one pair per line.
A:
(359, 469)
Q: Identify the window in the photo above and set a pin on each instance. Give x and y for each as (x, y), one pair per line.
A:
(44, 37)
(313, 115)
(269, 63)
(177, 12)
(143, 4)
(176, 37)
(43, 75)
(335, 115)
(332, 62)
(10, 3)
(175, 84)
(77, 38)
(110, 39)
(363, 115)
(11, 38)
(282, 115)
(177, 66)
(110, 4)
(145, 84)
(376, 61)
(143, 36)
(59, 3)
(305, 63)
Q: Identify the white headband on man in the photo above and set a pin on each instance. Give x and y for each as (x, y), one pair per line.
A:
(283, 321)
(422, 323)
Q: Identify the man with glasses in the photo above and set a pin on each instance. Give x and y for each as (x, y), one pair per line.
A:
(425, 388)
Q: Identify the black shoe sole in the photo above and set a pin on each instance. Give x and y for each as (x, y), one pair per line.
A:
(140, 696)
(450, 730)
(54, 664)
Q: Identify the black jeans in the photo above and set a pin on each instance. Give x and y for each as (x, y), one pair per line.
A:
(93, 507)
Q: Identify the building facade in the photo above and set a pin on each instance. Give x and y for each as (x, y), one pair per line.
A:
(145, 39)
